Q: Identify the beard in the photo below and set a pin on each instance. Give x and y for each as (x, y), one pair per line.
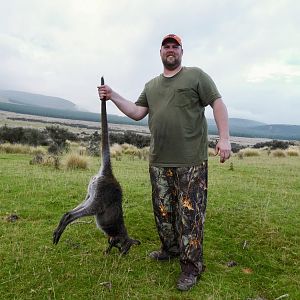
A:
(171, 62)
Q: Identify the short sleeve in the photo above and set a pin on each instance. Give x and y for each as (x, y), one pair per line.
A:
(207, 89)
(142, 100)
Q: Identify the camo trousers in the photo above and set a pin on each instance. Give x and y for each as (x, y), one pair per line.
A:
(179, 196)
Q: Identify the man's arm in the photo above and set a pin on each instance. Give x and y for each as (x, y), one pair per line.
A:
(127, 107)
(223, 147)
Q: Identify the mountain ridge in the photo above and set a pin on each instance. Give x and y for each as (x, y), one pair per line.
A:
(35, 104)
(25, 98)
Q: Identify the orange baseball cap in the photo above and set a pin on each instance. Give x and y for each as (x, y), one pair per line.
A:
(173, 37)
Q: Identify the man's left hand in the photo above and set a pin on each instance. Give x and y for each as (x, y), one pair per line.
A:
(223, 148)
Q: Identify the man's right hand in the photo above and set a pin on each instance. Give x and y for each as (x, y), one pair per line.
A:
(104, 92)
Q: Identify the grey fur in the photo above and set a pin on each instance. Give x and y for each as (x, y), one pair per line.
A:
(103, 200)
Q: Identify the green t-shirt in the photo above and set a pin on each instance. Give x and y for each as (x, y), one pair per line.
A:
(176, 117)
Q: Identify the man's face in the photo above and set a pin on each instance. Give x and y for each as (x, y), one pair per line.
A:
(171, 54)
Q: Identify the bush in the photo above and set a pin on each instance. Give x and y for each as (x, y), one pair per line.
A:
(137, 140)
(46, 160)
(274, 144)
(59, 137)
(93, 147)
(235, 148)
(20, 135)
(130, 137)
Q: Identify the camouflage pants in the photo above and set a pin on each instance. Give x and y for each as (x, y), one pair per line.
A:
(179, 196)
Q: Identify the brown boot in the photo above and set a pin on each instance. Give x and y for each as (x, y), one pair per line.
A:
(186, 281)
(189, 275)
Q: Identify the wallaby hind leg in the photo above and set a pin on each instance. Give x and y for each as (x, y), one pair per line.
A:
(68, 218)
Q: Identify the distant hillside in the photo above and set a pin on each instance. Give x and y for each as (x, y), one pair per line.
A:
(66, 114)
(254, 129)
(34, 104)
(237, 123)
(24, 98)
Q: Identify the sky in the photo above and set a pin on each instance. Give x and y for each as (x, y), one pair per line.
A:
(61, 48)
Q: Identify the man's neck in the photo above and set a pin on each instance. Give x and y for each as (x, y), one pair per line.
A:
(171, 73)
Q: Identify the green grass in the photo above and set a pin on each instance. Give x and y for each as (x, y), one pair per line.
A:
(252, 218)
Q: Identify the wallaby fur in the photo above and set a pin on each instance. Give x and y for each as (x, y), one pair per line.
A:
(103, 200)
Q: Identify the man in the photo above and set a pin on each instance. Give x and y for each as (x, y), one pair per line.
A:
(175, 101)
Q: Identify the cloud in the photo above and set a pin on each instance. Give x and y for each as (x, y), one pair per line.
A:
(274, 71)
(62, 47)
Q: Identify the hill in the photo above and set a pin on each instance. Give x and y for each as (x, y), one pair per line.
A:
(65, 114)
(35, 104)
(24, 98)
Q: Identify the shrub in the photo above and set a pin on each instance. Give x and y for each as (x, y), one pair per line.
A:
(274, 144)
(93, 147)
(54, 149)
(20, 135)
(59, 139)
(235, 148)
(75, 161)
(278, 153)
(37, 159)
(137, 140)
(130, 137)
(46, 160)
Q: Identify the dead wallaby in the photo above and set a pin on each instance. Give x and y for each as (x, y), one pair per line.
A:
(103, 200)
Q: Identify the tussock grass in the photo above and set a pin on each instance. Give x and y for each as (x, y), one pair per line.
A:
(21, 149)
(252, 219)
(292, 152)
(132, 150)
(116, 151)
(74, 161)
(211, 152)
(279, 153)
(144, 153)
(248, 152)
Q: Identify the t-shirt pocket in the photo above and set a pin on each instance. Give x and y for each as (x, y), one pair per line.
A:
(185, 97)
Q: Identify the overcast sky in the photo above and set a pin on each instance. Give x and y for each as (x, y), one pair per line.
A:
(251, 48)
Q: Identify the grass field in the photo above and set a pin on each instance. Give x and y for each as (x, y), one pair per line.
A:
(253, 217)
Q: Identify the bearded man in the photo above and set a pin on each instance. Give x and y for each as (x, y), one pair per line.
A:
(175, 101)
